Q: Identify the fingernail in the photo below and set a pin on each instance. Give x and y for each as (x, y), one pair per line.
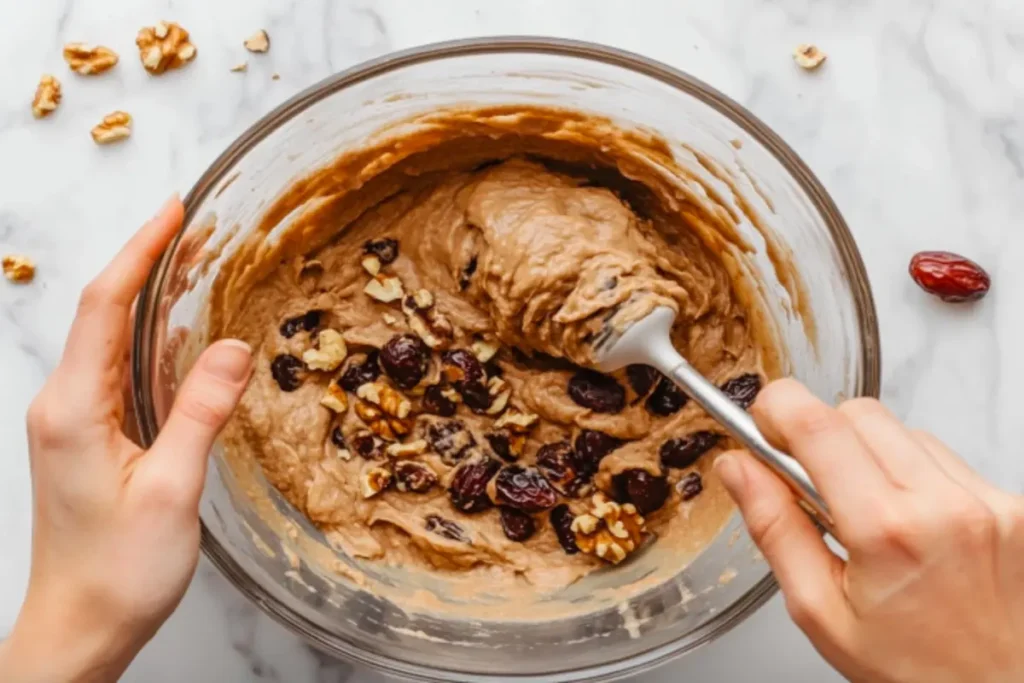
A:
(730, 472)
(168, 203)
(229, 360)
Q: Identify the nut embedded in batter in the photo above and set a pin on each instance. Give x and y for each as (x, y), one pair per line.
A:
(516, 421)
(164, 46)
(89, 60)
(373, 480)
(371, 264)
(483, 350)
(114, 126)
(500, 393)
(610, 531)
(385, 288)
(47, 96)
(406, 450)
(331, 353)
(335, 399)
(387, 428)
(808, 56)
(18, 268)
(390, 400)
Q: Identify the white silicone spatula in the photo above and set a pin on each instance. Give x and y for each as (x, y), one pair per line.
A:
(648, 341)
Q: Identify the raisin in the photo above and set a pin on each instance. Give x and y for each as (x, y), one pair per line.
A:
(405, 359)
(450, 439)
(517, 525)
(287, 371)
(414, 476)
(501, 442)
(338, 439)
(647, 492)
(559, 464)
(951, 277)
(468, 490)
(641, 378)
(306, 322)
(367, 446)
(690, 486)
(666, 399)
(436, 524)
(465, 372)
(467, 273)
(683, 452)
(436, 403)
(358, 374)
(385, 249)
(561, 521)
(596, 391)
(525, 489)
(592, 446)
(743, 389)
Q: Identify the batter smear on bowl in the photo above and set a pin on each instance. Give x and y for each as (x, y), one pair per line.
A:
(423, 319)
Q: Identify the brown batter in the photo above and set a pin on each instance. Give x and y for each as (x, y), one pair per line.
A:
(529, 229)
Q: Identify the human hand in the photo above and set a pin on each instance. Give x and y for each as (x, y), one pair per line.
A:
(115, 528)
(933, 590)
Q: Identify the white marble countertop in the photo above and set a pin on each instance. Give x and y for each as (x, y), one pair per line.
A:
(914, 125)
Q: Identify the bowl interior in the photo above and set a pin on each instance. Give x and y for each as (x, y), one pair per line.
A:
(823, 318)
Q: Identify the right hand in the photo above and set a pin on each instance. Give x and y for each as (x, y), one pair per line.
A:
(933, 590)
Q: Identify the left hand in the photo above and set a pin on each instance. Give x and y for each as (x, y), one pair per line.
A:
(115, 528)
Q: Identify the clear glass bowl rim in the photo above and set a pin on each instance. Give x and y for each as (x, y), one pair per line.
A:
(869, 382)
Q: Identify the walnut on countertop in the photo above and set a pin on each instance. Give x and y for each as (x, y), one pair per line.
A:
(89, 60)
(114, 126)
(18, 268)
(47, 96)
(164, 46)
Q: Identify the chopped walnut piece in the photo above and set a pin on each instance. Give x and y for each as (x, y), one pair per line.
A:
(275, 77)
(47, 96)
(88, 59)
(240, 67)
(516, 421)
(423, 299)
(451, 395)
(385, 288)
(329, 355)
(373, 480)
(164, 46)
(19, 268)
(483, 350)
(345, 454)
(335, 399)
(384, 426)
(389, 318)
(419, 326)
(371, 264)
(808, 56)
(406, 450)
(114, 126)
(500, 393)
(609, 531)
(390, 400)
(258, 42)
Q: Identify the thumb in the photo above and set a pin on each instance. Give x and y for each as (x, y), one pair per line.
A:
(805, 568)
(201, 408)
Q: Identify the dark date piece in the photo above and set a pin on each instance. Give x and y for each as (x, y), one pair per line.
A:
(358, 374)
(666, 399)
(690, 486)
(288, 371)
(684, 451)
(385, 249)
(517, 525)
(437, 524)
(647, 492)
(468, 490)
(561, 522)
(743, 389)
(405, 359)
(597, 391)
(523, 488)
(307, 322)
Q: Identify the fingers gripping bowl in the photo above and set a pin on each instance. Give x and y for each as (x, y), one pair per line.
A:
(773, 228)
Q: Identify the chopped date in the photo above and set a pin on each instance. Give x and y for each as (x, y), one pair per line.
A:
(559, 464)
(414, 476)
(592, 446)
(467, 376)
(523, 488)
(337, 438)
(468, 490)
(358, 374)
(951, 277)
(436, 403)
(666, 399)
(467, 273)
(561, 522)
(405, 359)
(385, 249)
(367, 446)
(436, 524)
(500, 442)
(690, 486)
(743, 389)
(684, 451)
(597, 391)
(517, 525)
(307, 322)
(288, 371)
(450, 439)
(641, 378)
(646, 491)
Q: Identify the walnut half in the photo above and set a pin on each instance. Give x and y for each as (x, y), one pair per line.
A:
(114, 126)
(47, 96)
(609, 531)
(89, 60)
(164, 46)
(808, 56)
(19, 269)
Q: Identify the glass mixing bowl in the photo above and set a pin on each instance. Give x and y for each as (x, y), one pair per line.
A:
(703, 596)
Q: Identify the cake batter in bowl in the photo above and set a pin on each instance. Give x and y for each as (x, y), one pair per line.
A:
(535, 190)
